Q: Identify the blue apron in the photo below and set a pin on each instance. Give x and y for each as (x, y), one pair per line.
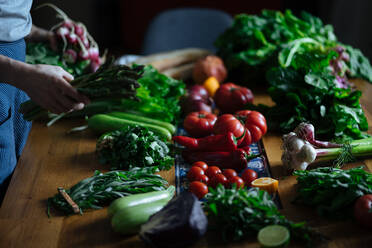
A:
(13, 129)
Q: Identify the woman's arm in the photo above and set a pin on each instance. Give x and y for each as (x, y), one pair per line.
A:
(41, 35)
(46, 85)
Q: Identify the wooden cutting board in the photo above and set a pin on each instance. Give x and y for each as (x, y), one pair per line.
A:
(52, 158)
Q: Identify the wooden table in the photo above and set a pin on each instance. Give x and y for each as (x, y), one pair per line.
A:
(52, 159)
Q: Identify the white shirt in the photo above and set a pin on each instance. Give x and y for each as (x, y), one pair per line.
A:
(15, 19)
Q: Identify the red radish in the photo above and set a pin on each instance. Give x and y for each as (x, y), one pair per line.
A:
(85, 42)
(71, 38)
(62, 32)
(70, 56)
(79, 30)
(83, 54)
(94, 65)
(67, 24)
(93, 53)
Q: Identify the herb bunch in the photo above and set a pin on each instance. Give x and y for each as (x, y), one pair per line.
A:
(331, 190)
(133, 147)
(102, 188)
(239, 213)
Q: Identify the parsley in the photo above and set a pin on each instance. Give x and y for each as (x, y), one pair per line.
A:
(133, 147)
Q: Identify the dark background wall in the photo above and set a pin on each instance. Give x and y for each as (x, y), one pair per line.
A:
(119, 25)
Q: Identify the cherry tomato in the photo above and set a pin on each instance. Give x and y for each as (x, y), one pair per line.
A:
(199, 189)
(228, 173)
(248, 176)
(228, 123)
(199, 124)
(363, 211)
(201, 164)
(218, 179)
(194, 173)
(212, 171)
(236, 180)
(203, 179)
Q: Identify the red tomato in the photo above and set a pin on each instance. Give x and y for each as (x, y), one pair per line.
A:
(212, 171)
(229, 173)
(199, 124)
(194, 173)
(255, 124)
(228, 123)
(236, 180)
(231, 97)
(199, 189)
(201, 164)
(203, 179)
(248, 176)
(363, 211)
(218, 179)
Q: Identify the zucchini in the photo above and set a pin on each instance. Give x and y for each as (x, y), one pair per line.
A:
(138, 199)
(102, 123)
(129, 220)
(128, 116)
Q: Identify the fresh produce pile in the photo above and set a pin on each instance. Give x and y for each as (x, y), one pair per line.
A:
(306, 67)
(102, 188)
(78, 52)
(335, 189)
(134, 109)
(238, 213)
(133, 147)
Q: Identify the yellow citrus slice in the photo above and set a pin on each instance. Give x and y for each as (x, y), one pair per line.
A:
(211, 85)
(266, 183)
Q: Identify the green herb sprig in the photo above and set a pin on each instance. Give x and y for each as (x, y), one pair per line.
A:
(331, 190)
(102, 188)
(240, 213)
(133, 147)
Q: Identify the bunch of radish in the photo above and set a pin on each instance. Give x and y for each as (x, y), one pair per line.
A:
(77, 44)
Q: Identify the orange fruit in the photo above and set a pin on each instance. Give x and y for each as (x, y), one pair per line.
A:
(266, 183)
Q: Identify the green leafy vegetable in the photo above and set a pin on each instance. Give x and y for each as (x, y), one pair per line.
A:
(102, 188)
(312, 97)
(332, 191)
(306, 68)
(159, 96)
(41, 53)
(133, 147)
(239, 213)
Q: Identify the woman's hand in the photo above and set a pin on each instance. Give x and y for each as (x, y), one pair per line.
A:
(49, 87)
